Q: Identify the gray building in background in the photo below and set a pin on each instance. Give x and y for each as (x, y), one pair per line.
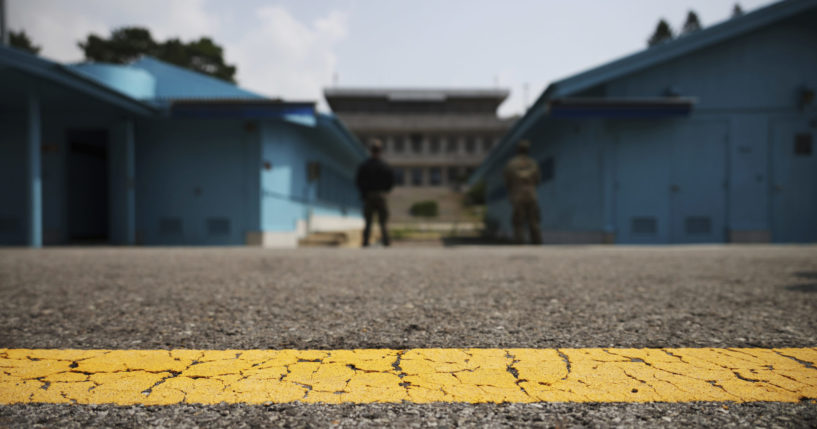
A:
(434, 138)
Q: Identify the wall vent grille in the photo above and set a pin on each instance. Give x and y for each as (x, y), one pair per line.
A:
(170, 226)
(9, 224)
(698, 225)
(644, 226)
(218, 226)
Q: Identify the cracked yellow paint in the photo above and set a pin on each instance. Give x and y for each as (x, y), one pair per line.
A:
(163, 377)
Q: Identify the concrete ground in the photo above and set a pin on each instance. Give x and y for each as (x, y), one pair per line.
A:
(545, 297)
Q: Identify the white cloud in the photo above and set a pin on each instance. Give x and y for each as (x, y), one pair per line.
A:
(54, 27)
(277, 54)
(57, 26)
(283, 56)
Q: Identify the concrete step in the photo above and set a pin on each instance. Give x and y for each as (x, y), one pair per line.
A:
(324, 239)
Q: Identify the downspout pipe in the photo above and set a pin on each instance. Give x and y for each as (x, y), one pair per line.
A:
(4, 31)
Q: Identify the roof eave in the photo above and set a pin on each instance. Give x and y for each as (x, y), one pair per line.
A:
(681, 46)
(338, 128)
(64, 76)
(643, 59)
(538, 108)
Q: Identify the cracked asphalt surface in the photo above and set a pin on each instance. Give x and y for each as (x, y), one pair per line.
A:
(485, 297)
(172, 377)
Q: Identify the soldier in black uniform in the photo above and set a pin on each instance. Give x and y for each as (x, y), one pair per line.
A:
(374, 180)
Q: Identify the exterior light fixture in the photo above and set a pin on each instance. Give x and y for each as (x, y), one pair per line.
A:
(806, 97)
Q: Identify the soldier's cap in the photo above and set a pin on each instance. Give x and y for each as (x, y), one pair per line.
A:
(523, 145)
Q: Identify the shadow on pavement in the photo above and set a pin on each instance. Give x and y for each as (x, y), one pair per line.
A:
(808, 288)
(473, 241)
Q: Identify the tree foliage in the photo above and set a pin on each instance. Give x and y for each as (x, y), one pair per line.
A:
(475, 196)
(692, 23)
(20, 40)
(737, 11)
(663, 32)
(129, 43)
(424, 209)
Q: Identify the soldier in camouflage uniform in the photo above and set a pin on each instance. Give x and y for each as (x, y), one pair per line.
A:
(521, 178)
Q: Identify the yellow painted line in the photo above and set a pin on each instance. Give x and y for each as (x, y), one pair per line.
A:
(163, 377)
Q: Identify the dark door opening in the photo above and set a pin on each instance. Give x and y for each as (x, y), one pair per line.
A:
(87, 186)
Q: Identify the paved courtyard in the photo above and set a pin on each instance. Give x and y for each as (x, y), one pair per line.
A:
(411, 298)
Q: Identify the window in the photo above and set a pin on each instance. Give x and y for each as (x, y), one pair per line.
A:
(382, 142)
(399, 177)
(643, 226)
(313, 171)
(453, 175)
(417, 143)
(487, 143)
(803, 144)
(470, 145)
(398, 145)
(417, 176)
(436, 174)
(452, 146)
(546, 168)
(434, 145)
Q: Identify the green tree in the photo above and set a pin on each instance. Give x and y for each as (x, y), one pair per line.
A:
(663, 33)
(475, 196)
(20, 40)
(737, 11)
(129, 43)
(692, 23)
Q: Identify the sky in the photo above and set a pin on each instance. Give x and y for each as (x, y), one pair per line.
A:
(293, 49)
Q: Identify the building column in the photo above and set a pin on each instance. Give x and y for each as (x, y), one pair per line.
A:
(34, 173)
(130, 183)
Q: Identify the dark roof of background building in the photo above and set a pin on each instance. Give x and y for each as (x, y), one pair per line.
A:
(417, 94)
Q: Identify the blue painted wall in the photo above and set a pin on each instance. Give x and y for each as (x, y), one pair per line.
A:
(194, 181)
(728, 172)
(55, 153)
(287, 194)
(572, 200)
(12, 177)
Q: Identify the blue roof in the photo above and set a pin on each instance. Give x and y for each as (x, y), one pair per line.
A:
(644, 59)
(173, 82)
(679, 47)
(65, 76)
(339, 130)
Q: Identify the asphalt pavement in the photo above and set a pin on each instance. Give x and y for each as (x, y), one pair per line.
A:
(401, 298)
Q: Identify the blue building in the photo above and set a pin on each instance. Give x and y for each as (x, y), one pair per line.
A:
(150, 153)
(707, 138)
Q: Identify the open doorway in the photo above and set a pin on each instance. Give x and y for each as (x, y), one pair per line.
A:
(87, 186)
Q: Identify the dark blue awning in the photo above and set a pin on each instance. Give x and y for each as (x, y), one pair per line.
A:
(241, 109)
(659, 107)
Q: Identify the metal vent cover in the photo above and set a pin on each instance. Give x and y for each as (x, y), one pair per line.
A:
(9, 224)
(645, 225)
(218, 226)
(170, 226)
(698, 225)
